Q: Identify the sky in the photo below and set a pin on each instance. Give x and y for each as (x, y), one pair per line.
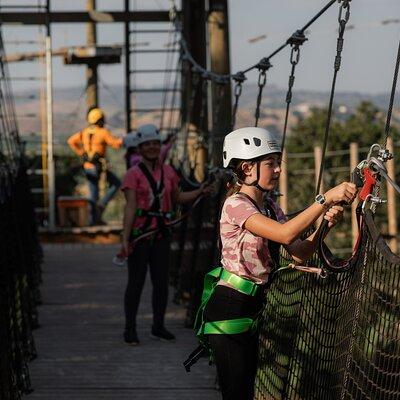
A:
(368, 56)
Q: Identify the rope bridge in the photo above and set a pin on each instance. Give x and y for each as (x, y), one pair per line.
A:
(334, 338)
(20, 254)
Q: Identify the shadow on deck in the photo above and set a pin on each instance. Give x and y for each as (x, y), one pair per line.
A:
(80, 347)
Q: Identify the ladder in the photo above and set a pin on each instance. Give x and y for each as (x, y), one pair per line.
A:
(35, 141)
(153, 75)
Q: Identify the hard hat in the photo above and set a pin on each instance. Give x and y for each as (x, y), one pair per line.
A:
(130, 140)
(249, 143)
(147, 132)
(95, 115)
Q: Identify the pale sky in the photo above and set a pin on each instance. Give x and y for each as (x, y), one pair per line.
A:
(368, 56)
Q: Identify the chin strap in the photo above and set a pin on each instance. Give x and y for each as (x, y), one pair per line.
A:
(255, 183)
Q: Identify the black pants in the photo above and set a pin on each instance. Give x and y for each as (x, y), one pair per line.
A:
(154, 253)
(235, 355)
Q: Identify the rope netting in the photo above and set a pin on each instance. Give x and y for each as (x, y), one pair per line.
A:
(20, 254)
(337, 337)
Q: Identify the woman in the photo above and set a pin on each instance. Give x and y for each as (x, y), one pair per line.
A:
(151, 191)
(250, 240)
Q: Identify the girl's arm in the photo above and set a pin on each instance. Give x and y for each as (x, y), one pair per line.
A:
(288, 232)
(129, 216)
(302, 250)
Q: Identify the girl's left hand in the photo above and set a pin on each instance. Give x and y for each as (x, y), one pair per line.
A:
(334, 215)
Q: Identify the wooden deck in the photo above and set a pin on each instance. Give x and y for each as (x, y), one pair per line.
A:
(80, 347)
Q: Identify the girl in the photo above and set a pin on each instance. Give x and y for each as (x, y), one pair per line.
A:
(151, 190)
(250, 240)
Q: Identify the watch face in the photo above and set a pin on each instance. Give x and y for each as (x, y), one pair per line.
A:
(320, 199)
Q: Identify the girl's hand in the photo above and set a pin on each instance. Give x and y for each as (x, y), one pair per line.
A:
(334, 215)
(345, 192)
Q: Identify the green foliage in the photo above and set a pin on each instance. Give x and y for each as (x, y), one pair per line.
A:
(364, 126)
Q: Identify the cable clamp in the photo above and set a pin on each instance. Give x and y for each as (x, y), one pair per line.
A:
(297, 39)
(264, 64)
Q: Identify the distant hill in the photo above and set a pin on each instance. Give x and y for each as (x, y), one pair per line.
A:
(69, 106)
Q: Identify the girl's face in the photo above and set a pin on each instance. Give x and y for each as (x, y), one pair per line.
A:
(150, 150)
(270, 170)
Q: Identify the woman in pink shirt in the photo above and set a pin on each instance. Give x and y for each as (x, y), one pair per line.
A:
(251, 235)
(151, 192)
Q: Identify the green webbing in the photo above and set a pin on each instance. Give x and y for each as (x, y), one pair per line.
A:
(229, 327)
(232, 326)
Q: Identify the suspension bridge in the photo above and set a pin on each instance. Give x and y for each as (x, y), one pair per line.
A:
(330, 328)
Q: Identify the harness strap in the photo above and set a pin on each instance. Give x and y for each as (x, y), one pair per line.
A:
(156, 206)
(232, 326)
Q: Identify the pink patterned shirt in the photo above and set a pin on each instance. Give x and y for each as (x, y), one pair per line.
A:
(243, 253)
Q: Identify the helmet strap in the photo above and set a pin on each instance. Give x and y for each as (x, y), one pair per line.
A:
(255, 183)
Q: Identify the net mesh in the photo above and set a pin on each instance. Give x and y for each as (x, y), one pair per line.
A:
(20, 254)
(333, 338)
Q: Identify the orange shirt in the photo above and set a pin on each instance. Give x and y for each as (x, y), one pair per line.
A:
(91, 140)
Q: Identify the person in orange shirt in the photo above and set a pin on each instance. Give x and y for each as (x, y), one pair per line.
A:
(91, 144)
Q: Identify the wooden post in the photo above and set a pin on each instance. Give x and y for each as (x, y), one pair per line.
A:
(391, 197)
(353, 164)
(317, 164)
(91, 71)
(283, 183)
(218, 30)
(194, 31)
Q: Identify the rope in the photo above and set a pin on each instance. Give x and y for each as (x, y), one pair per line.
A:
(263, 67)
(296, 41)
(213, 76)
(392, 96)
(343, 19)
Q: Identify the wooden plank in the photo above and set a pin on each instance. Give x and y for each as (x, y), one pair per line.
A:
(81, 352)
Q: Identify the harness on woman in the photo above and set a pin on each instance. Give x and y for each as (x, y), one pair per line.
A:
(155, 210)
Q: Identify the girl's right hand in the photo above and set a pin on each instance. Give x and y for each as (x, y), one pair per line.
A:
(344, 193)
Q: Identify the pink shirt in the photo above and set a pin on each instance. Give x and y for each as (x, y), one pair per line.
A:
(135, 179)
(243, 253)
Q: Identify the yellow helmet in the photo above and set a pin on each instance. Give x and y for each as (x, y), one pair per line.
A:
(95, 115)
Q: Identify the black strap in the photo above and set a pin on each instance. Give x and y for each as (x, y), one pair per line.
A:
(156, 206)
(273, 247)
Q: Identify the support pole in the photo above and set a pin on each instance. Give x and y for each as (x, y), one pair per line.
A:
(128, 106)
(91, 71)
(392, 214)
(194, 107)
(49, 110)
(353, 164)
(218, 30)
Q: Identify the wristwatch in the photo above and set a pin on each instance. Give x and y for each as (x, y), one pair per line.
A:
(320, 199)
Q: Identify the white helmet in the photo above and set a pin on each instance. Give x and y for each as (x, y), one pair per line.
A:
(147, 132)
(130, 140)
(249, 143)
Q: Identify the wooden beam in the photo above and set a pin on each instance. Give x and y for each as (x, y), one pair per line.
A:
(38, 18)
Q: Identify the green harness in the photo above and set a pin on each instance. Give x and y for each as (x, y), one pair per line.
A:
(230, 326)
(225, 327)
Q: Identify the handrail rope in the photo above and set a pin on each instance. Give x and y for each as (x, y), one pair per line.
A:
(296, 41)
(392, 96)
(227, 77)
(343, 19)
